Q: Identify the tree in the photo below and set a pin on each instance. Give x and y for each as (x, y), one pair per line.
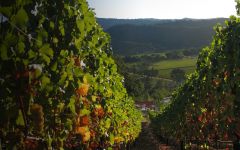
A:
(134, 85)
(121, 65)
(178, 74)
(58, 81)
(190, 52)
(174, 55)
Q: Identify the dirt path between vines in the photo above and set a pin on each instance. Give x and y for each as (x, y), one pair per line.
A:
(147, 141)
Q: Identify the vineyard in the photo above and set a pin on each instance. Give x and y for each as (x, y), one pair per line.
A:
(59, 84)
(206, 108)
(60, 87)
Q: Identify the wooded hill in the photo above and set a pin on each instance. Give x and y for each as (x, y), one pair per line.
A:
(154, 35)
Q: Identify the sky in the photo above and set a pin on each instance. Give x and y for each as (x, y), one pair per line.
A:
(163, 9)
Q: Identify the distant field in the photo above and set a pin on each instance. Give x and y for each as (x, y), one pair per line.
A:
(167, 72)
(178, 63)
(165, 67)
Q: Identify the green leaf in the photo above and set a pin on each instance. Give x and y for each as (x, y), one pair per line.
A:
(46, 59)
(111, 139)
(66, 84)
(41, 21)
(21, 17)
(78, 72)
(71, 105)
(46, 53)
(54, 66)
(64, 53)
(6, 11)
(10, 39)
(37, 73)
(61, 28)
(3, 51)
(78, 43)
(84, 8)
(25, 61)
(88, 78)
(108, 123)
(39, 41)
(55, 40)
(20, 120)
(31, 54)
(45, 80)
(84, 112)
(49, 140)
(46, 50)
(68, 124)
(21, 47)
(80, 25)
(62, 78)
(68, 8)
(51, 24)
(93, 98)
(85, 79)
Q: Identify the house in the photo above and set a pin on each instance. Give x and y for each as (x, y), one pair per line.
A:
(145, 105)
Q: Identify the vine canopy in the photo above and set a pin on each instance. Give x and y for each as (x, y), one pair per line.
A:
(58, 81)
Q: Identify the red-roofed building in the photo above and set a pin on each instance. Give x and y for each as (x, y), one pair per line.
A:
(145, 105)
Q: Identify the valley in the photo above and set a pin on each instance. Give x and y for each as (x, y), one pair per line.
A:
(156, 55)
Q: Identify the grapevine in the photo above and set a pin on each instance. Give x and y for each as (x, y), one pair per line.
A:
(207, 106)
(59, 84)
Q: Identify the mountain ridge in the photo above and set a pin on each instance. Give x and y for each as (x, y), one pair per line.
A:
(134, 36)
(109, 22)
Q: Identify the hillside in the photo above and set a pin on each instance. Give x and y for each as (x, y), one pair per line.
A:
(153, 35)
(110, 22)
